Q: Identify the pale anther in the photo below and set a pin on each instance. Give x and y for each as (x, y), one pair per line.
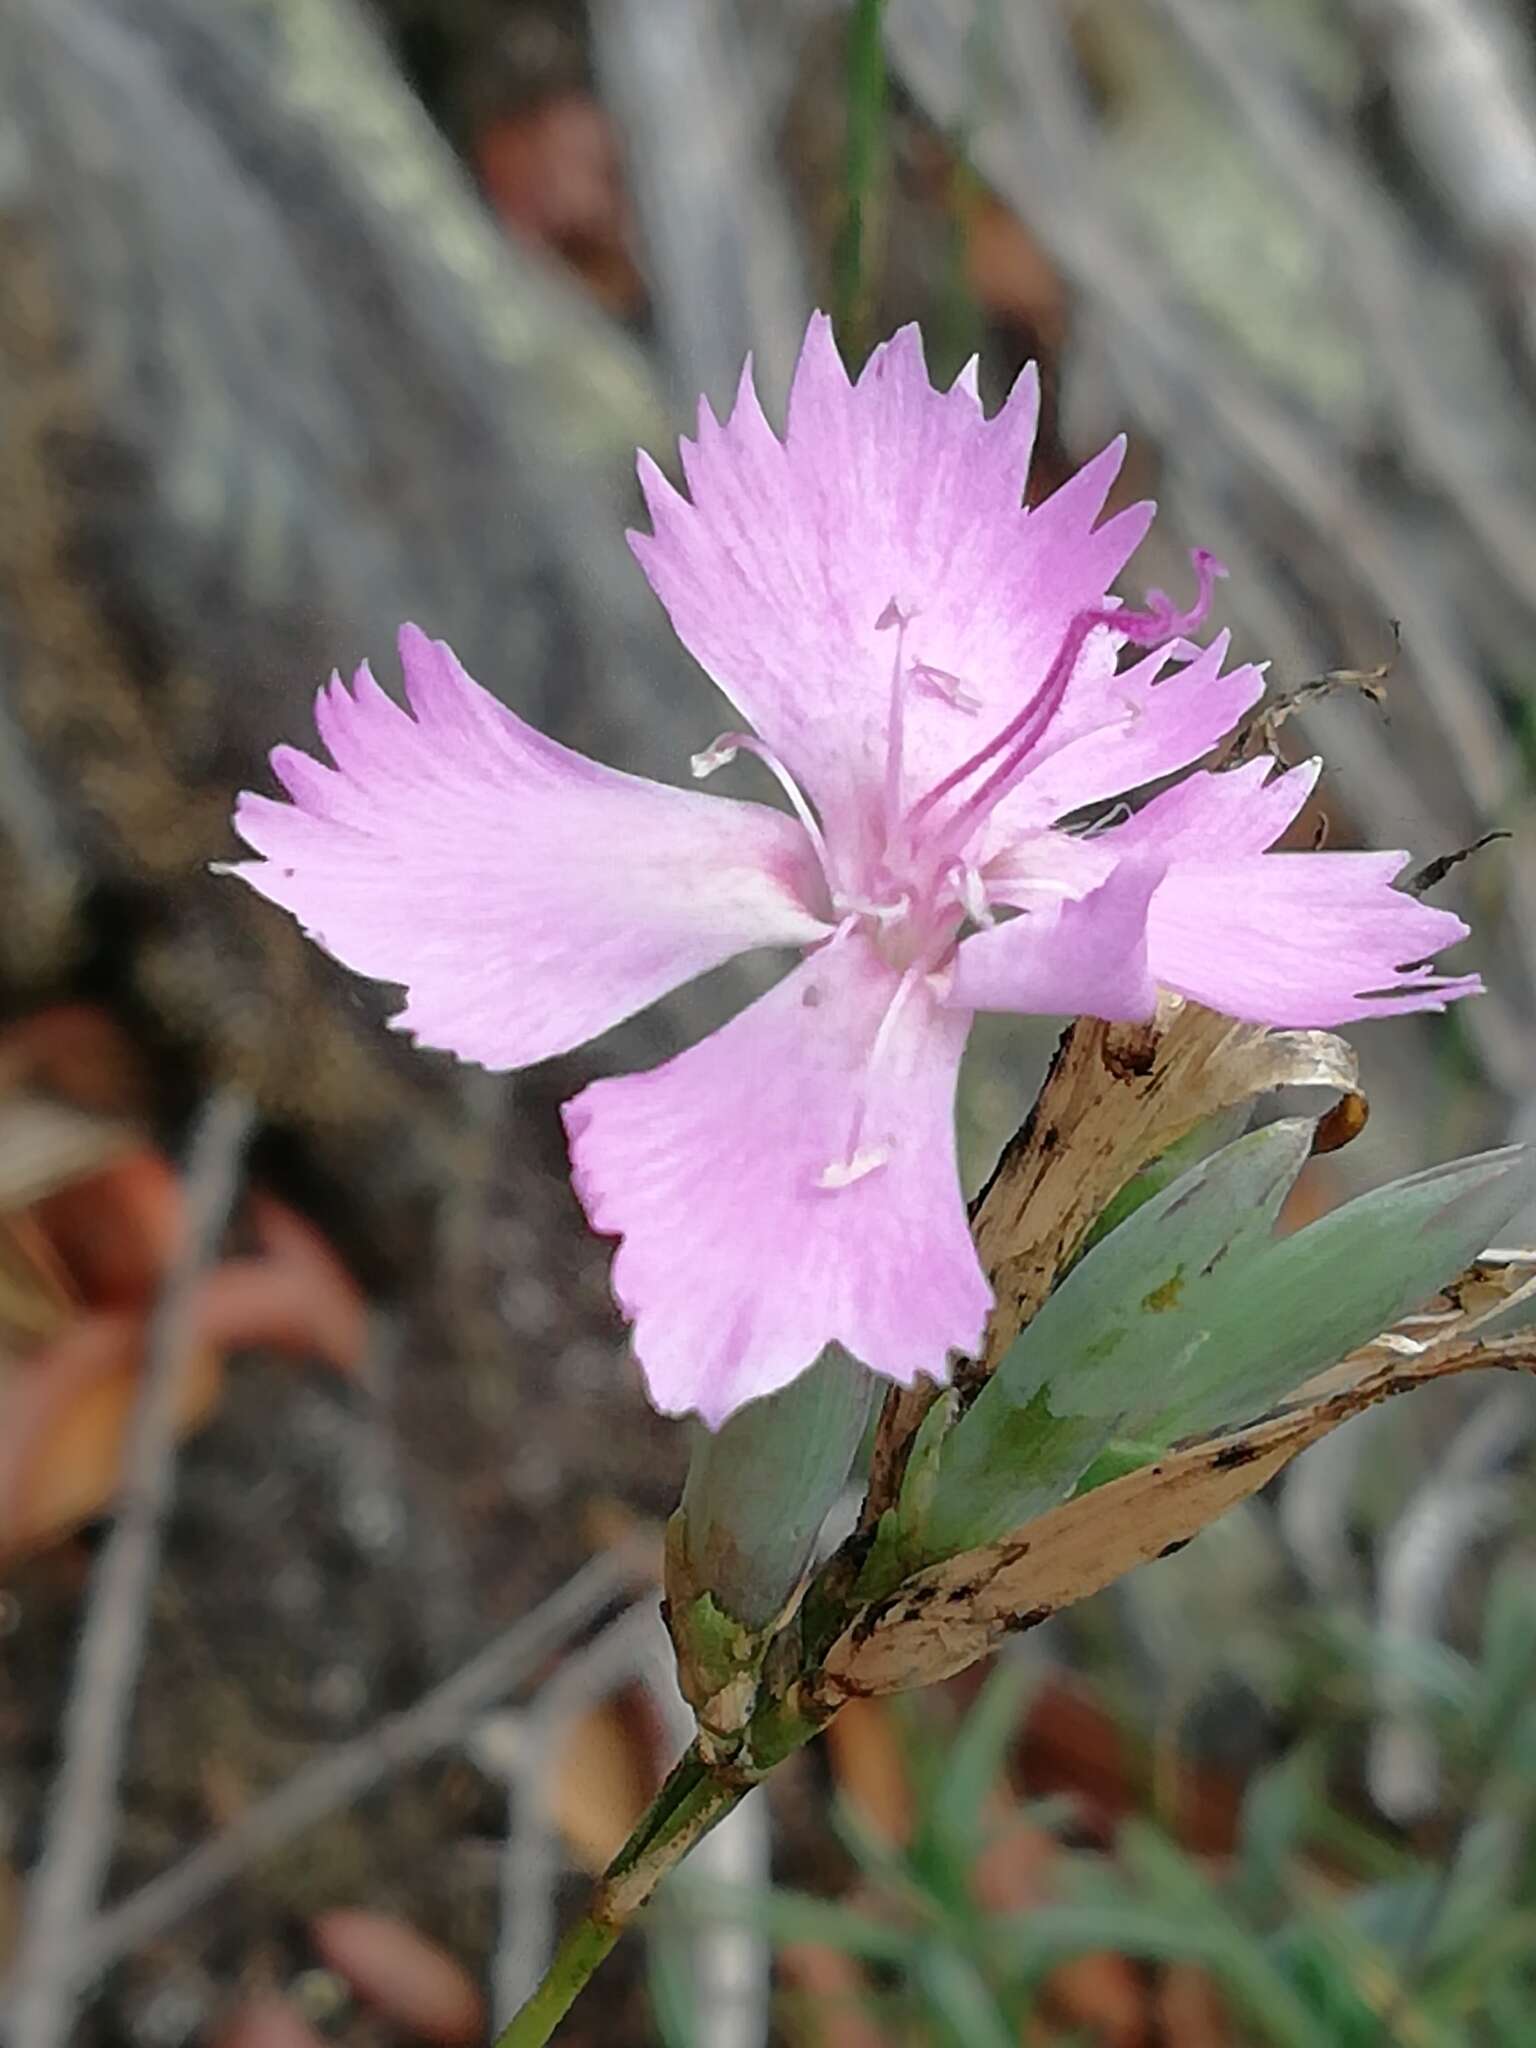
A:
(720, 755)
(949, 689)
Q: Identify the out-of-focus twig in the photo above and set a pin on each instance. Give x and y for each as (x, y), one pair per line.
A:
(524, 1747)
(82, 1815)
(721, 251)
(1467, 100)
(439, 1718)
(1466, 1498)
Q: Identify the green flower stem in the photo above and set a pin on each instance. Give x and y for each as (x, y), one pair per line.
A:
(863, 169)
(575, 1960)
(688, 1805)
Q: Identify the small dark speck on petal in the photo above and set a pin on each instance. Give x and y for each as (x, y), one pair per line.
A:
(810, 998)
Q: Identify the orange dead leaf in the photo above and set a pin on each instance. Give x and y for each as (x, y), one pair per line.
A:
(1189, 2009)
(395, 1968)
(297, 1297)
(81, 1055)
(63, 1418)
(870, 1767)
(114, 1230)
(604, 1775)
(1100, 1998)
(80, 1271)
(553, 173)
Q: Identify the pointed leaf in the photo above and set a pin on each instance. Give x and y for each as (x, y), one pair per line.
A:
(1192, 1317)
(1311, 1298)
(954, 1612)
(1127, 1317)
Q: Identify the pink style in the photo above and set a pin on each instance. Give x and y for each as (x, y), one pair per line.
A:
(933, 675)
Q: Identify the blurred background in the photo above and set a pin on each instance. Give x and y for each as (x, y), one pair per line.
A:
(320, 314)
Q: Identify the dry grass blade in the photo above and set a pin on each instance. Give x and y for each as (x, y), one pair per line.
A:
(945, 1618)
(336, 1778)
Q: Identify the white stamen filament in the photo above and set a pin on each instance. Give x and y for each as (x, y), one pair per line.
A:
(972, 891)
(895, 727)
(861, 1160)
(724, 750)
(882, 913)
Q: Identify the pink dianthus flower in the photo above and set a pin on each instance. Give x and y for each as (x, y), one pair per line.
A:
(934, 675)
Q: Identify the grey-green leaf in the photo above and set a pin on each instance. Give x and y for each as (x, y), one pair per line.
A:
(759, 1489)
(1311, 1298)
(1059, 1394)
(1192, 1317)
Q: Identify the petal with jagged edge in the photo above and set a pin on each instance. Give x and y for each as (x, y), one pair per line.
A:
(1212, 815)
(1301, 938)
(780, 568)
(525, 897)
(1126, 731)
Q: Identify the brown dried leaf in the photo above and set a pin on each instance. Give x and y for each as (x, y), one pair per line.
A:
(1260, 733)
(1100, 1997)
(554, 172)
(80, 1055)
(115, 1230)
(1189, 2009)
(945, 1618)
(36, 1297)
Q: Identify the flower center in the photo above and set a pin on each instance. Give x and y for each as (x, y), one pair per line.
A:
(926, 883)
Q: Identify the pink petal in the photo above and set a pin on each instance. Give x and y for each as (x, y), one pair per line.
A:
(1119, 733)
(738, 1264)
(1300, 938)
(526, 897)
(1079, 958)
(1212, 816)
(777, 573)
